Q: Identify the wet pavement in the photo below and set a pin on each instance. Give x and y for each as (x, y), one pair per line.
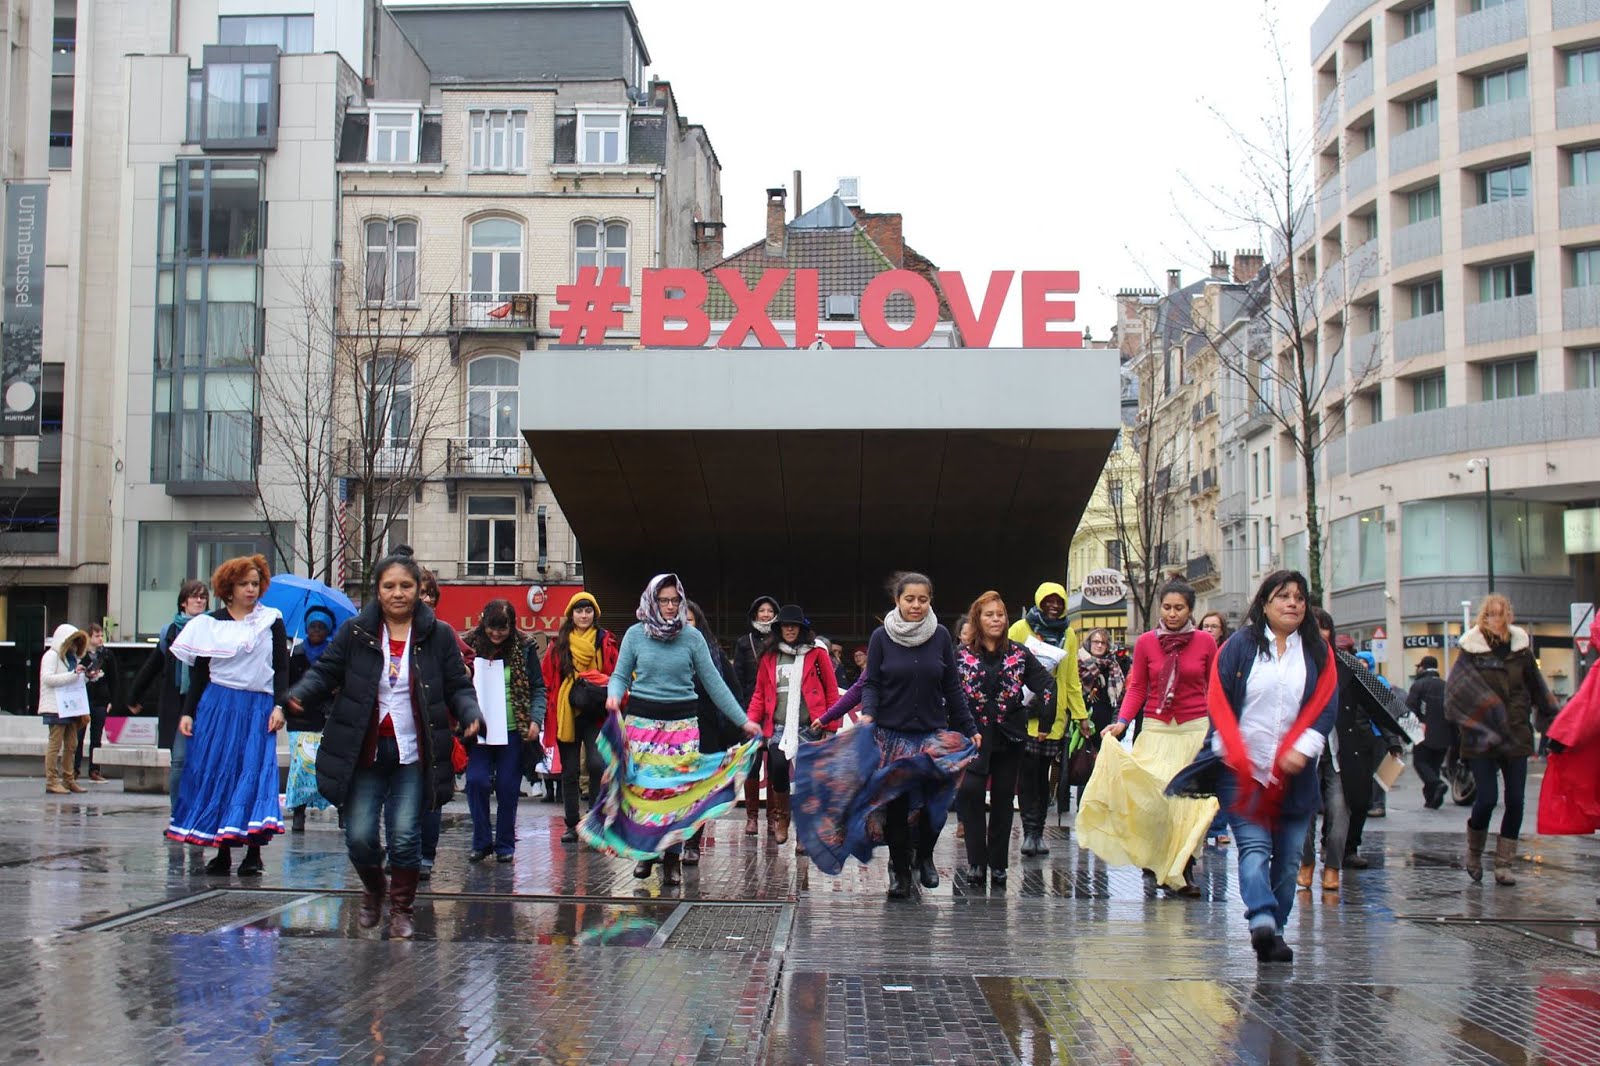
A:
(120, 949)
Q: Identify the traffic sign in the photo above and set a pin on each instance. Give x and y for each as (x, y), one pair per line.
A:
(1380, 648)
(1582, 618)
(1583, 645)
(1379, 634)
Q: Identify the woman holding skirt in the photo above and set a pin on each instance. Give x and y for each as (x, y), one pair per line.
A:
(1124, 816)
(305, 730)
(238, 659)
(657, 787)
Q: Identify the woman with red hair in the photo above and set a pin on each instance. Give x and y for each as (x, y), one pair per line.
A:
(238, 659)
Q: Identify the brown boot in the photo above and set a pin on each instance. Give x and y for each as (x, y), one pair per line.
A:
(752, 805)
(402, 894)
(1303, 878)
(52, 762)
(374, 887)
(778, 817)
(1330, 879)
(1476, 839)
(1505, 854)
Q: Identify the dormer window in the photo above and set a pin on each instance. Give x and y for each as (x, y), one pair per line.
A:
(392, 136)
(497, 140)
(602, 137)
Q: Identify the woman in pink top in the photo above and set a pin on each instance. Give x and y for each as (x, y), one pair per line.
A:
(1171, 668)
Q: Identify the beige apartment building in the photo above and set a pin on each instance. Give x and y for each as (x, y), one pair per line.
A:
(1458, 215)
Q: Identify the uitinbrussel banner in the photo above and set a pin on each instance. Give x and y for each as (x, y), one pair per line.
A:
(22, 332)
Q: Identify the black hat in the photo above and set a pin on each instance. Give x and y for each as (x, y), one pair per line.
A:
(1427, 662)
(791, 614)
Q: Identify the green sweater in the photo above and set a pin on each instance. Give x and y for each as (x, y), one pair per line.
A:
(664, 671)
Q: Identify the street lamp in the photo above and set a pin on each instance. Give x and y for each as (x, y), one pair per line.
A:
(1488, 515)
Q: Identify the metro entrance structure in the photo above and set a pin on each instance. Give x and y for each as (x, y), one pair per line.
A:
(813, 475)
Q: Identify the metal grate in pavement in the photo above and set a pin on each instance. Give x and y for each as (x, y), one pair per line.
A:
(1521, 943)
(726, 928)
(205, 913)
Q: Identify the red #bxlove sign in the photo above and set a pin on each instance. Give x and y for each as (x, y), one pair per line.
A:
(673, 315)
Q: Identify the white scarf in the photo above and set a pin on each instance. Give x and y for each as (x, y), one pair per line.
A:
(206, 637)
(789, 743)
(909, 634)
(761, 627)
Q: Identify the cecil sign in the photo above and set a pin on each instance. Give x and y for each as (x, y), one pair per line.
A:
(673, 315)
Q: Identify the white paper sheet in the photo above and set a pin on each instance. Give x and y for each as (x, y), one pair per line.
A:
(489, 678)
(72, 701)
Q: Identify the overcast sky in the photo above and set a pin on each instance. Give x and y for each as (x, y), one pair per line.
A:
(1011, 135)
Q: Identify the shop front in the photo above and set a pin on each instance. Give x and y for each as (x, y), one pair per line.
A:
(540, 608)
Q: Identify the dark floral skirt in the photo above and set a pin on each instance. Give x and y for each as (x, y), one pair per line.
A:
(843, 784)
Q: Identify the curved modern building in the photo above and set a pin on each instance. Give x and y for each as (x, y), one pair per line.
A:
(1457, 218)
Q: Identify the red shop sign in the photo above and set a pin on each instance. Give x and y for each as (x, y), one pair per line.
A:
(540, 608)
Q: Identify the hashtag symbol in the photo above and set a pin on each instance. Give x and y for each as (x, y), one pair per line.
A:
(591, 305)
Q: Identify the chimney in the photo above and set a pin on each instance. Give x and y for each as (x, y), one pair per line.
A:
(707, 244)
(776, 200)
(887, 232)
(1219, 266)
(1174, 281)
(1247, 264)
(797, 207)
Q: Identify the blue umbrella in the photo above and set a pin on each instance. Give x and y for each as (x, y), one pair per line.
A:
(293, 596)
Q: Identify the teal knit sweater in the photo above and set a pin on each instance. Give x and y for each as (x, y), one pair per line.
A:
(664, 671)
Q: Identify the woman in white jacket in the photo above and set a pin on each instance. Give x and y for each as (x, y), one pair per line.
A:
(62, 666)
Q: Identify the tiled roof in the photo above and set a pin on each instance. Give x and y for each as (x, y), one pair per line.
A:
(845, 261)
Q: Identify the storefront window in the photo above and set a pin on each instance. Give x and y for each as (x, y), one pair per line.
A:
(1357, 548)
(1295, 552)
(1445, 537)
(172, 552)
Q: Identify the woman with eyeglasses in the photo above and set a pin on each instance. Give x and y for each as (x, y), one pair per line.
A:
(497, 768)
(658, 787)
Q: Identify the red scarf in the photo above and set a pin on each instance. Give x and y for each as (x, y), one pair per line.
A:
(1258, 802)
(1172, 642)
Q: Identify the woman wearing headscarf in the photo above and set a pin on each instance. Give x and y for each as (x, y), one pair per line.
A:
(657, 786)
(577, 668)
(61, 666)
(305, 729)
(1124, 816)
(795, 686)
(1492, 696)
(746, 655)
(1045, 632)
(1273, 694)
(892, 779)
(497, 768)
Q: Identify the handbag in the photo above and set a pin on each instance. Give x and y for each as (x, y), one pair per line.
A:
(587, 698)
(1080, 761)
(1463, 786)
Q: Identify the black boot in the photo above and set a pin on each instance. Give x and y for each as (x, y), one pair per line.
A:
(900, 884)
(929, 873)
(299, 823)
(643, 868)
(252, 866)
(222, 865)
(672, 869)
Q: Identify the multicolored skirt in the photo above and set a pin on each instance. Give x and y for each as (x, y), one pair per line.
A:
(228, 793)
(657, 787)
(843, 784)
(301, 791)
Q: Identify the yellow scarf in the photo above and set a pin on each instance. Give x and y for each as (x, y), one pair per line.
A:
(585, 657)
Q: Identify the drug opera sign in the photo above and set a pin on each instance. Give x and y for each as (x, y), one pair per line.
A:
(22, 335)
(673, 315)
(1104, 587)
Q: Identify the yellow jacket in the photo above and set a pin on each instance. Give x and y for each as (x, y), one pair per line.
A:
(1069, 686)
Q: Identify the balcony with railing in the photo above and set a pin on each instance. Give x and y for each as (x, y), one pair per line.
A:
(1366, 356)
(1499, 320)
(1420, 240)
(1330, 197)
(1580, 307)
(1499, 221)
(1332, 289)
(1200, 568)
(1334, 18)
(1362, 266)
(1577, 105)
(488, 457)
(1414, 148)
(1493, 123)
(1208, 479)
(1567, 13)
(506, 569)
(1203, 409)
(1539, 419)
(1358, 85)
(1361, 174)
(494, 311)
(1580, 206)
(1411, 56)
(361, 459)
(1421, 335)
(1500, 24)
(1327, 116)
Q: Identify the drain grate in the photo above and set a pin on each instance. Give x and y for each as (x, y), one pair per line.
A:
(1513, 942)
(726, 928)
(202, 914)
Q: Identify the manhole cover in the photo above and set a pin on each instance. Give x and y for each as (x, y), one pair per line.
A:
(726, 928)
(201, 914)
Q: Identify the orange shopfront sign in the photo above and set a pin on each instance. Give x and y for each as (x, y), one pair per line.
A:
(540, 608)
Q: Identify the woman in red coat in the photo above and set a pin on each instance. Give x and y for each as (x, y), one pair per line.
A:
(1569, 802)
(577, 665)
(795, 686)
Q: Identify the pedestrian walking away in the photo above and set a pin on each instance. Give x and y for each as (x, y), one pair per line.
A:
(63, 705)
(1273, 694)
(1492, 697)
(995, 672)
(1426, 700)
(1125, 816)
(1045, 632)
(238, 658)
(746, 656)
(104, 683)
(891, 780)
(577, 668)
(305, 729)
(795, 686)
(1569, 800)
(495, 760)
(657, 787)
(172, 677)
(390, 685)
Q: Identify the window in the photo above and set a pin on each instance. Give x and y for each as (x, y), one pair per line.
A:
(1500, 86)
(492, 397)
(1114, 491)
(1417, 20)
(194, 131)
(1266, 470)
(290, 33)
(1367, 137)
(241, 97)
(1374, 406)
(491, 536)
(1114, 554)
(497, 140)
(1586, 369)
(392, 137)
(1427, 393)
(1484, 5)
(1255, 475)
(391, 262)
(602, 137)
(1583, 68)
(1586, 267)
(1423, 111)
(1505, 280)
(602, 244)
(1509, 378)
(1427, 298)
(1364, 47)
(1446, 538)
(1423, 204)
(1374, 312)
(495, 266)
(1503, 183)
(1586, 166)
(1356, 549)
(388, 383)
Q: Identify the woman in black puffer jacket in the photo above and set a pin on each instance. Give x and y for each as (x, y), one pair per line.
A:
(387, 743)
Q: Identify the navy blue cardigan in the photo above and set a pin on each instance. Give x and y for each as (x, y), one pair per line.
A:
(915, 690)
(1234, 662)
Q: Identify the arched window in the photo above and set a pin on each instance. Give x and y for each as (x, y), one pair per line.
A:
(388, 385)
(495, 262)
(492, 397)
(391, 276)
(602, 244)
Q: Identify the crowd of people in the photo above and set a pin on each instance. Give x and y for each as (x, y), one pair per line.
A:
(1196, 733)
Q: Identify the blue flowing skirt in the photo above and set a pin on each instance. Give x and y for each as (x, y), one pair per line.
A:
(228, 793)
(843, 783)
(301, 791)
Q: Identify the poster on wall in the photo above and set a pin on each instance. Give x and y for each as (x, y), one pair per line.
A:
(22, 333)
(540, 608)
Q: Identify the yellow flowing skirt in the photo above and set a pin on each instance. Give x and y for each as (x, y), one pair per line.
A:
(1127, 818)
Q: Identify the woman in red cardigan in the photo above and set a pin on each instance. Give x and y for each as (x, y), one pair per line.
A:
(795, 686)
(1171, 668)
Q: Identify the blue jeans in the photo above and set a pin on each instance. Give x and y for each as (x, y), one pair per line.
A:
(1268, 862)
(432, 820)
(497, 768)
(1487, 771)
(180, 750)
(394, 791)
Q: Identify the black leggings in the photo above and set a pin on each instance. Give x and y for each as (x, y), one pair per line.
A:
(777, 768)
(989, 840)
(1487, 771)
(907, 842)
(585, 730)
